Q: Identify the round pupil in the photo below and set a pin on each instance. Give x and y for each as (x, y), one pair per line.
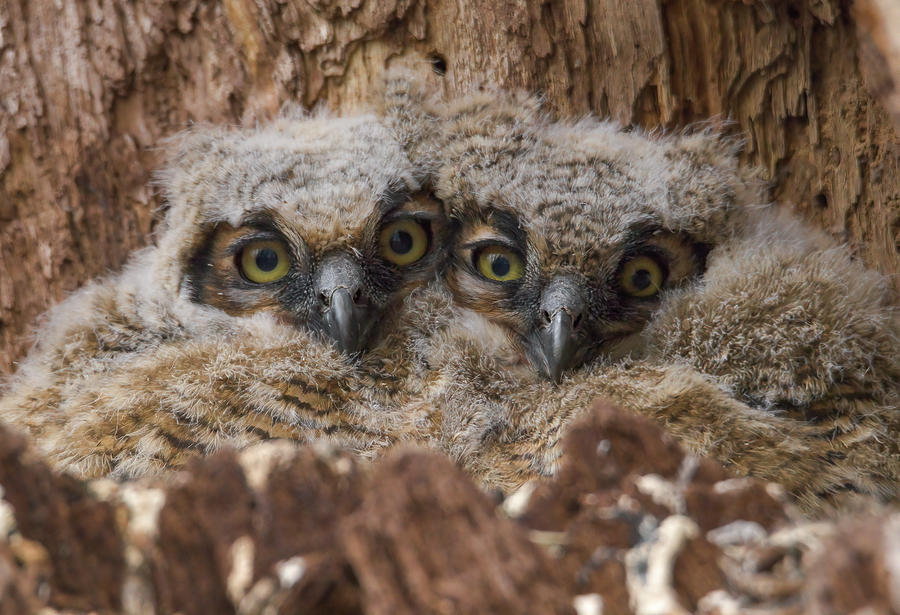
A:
(401, 242)
(266, 259)
(641, 279)
(499, 265)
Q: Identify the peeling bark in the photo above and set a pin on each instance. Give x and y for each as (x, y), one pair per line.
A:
(89, 89)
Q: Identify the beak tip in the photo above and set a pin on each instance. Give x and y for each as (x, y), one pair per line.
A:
(557, 346)
(345, 323)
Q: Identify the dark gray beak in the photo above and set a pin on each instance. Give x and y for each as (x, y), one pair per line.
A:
(556, 338)
(347, 317)
(558, 345)
(345, 322)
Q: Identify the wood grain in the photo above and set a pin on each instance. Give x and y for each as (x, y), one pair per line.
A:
(89, 88)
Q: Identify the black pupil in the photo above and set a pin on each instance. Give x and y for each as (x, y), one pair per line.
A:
(499, 265)
(641, 279)
(401, 242)
(266, 259)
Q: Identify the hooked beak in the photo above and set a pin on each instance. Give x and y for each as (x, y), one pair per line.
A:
(557, 344)
(555, 340)
(346, 323)
(346, 316)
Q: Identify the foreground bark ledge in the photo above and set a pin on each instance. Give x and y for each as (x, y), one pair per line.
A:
(631, 523)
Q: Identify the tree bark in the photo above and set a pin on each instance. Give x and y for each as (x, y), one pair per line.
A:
(88, 88)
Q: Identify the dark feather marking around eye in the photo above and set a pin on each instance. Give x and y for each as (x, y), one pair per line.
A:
(394, 195)
(213, 276)
(262, 222)
(636, 237)
(259, 235)
(508, 224)
(484, 243)
(701, 253)
(422, 217)
(198, 267)
(657, 254)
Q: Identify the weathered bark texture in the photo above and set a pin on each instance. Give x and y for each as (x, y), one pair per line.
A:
(89, 88)
(879, 28)
(632, 526)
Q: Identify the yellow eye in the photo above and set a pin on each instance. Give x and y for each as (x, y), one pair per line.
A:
(403, 242)
(642, 277)
(264, 261)
(500, 263)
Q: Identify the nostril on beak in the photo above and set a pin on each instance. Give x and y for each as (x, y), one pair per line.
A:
(557, 339)
(576, 321)
(545, 318)
(325, 297)
(344, 311)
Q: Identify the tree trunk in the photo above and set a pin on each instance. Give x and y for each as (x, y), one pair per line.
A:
(88, 88)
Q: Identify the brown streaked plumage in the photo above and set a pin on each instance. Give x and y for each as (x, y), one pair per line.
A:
(764, 345)
(452, 371)
(282, 245)
(576, 204)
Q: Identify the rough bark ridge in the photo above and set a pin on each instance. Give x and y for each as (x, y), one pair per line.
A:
(88, 89)
(630, 525)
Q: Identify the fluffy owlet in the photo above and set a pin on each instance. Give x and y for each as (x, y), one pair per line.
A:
(648, 269)
(282, 248)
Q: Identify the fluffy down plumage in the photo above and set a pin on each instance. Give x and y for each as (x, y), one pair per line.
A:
(768, 346)
(180, 354)
(774, 351)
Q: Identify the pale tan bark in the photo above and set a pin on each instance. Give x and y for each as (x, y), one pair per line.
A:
(88, 88)
(879, 33)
